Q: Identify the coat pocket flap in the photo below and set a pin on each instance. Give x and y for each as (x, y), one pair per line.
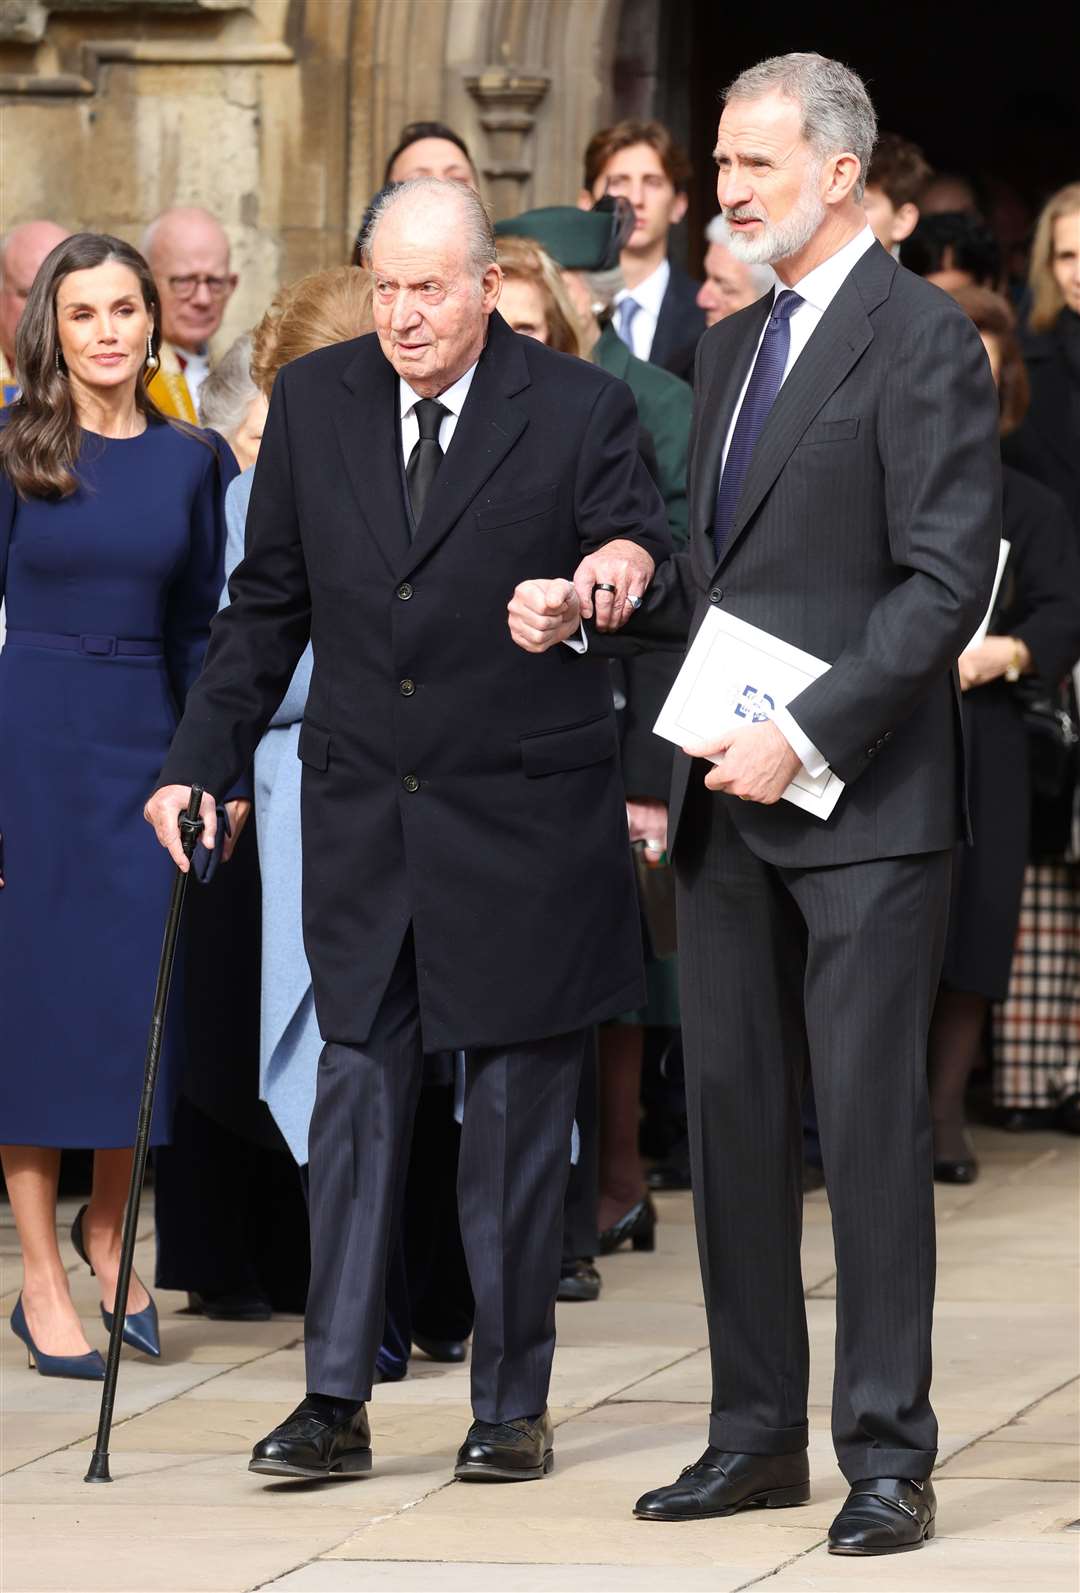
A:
(511, 510)
(313, 747)
(558, 751)
(824, 431)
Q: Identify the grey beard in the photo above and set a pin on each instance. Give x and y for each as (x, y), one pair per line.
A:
(779, 240)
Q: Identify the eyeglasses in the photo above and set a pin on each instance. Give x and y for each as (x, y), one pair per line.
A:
(217, 287)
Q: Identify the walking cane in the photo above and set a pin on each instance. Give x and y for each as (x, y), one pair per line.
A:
(190, 828)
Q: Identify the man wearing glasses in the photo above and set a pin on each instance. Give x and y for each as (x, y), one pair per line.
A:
(188, 252)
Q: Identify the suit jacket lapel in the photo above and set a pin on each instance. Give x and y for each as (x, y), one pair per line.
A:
(717, 405)
(486, 431)
(367, 430)
(838, 341)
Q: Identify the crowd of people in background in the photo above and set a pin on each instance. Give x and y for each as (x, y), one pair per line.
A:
(595, 279)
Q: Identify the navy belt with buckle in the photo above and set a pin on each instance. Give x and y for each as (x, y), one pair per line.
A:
(90, 646)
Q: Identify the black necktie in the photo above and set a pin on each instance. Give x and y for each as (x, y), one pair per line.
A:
(426, 457)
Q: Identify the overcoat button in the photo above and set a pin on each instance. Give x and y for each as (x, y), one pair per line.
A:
(407, 688)
(410, 782)
(404, 591)
(716, 595)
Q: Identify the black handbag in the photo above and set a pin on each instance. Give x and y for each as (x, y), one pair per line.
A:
(1053, 736)
(1053, 741)
(656, 893)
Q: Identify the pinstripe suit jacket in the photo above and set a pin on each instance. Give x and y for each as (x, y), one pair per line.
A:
(867, 534)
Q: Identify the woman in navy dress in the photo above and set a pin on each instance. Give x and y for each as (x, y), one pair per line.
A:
(111, 554)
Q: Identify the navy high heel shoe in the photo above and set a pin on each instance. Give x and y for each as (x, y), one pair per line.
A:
(90, 1368)
(140, 1327)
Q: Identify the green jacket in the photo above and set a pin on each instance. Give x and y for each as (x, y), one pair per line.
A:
(665, 404)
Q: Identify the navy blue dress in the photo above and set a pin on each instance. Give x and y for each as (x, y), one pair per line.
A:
(136, 554)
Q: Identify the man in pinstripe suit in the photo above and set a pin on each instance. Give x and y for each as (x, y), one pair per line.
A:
(845, 496)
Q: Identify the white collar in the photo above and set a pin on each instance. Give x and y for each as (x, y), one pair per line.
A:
(649, 293)
(452, 399)
(820, 286)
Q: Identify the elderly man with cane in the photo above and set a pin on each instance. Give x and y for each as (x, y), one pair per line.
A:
(407, 483)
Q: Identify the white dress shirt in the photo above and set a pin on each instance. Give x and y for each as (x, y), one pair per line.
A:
(649, 295)
(817, 290)
(196, 368)
(453, 400)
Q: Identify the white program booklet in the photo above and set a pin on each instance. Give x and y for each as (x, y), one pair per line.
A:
(736, 674)
(980, 635)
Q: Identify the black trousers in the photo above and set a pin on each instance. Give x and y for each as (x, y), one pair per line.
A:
(834, 969)
(580, 1238)
(513, 1166)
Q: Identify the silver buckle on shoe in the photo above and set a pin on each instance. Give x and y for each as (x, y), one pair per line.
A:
(908, 1510)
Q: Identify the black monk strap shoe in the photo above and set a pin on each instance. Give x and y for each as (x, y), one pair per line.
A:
(720, 1483)
(514, 1451)
(884, 1515)
(307, 1445)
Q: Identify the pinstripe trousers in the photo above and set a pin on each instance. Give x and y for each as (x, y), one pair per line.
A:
(835, 970)
(512, 1172)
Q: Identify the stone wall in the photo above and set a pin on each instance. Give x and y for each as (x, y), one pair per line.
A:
(278, 114)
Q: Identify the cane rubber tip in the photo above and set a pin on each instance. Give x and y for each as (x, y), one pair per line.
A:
(99, 1469)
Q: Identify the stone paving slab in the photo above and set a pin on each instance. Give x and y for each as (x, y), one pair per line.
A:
(629, 1398)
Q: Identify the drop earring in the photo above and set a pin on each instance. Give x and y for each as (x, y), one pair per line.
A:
(152, 361)
(60, 367)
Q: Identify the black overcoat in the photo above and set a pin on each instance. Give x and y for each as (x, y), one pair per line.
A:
(451, 780)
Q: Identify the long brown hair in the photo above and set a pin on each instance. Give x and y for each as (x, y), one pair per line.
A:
(40, 442)
(993, 315)
(324, 307)
(1047, 301)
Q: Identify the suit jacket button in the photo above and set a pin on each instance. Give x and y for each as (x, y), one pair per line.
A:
(716, 595)
(410, 782)
(407, 688)
(871, 752)
(404, 591)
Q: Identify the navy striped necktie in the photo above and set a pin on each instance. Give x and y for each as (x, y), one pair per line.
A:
(760, 396)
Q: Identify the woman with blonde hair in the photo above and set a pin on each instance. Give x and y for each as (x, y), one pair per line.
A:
(1047, 446)
(533, 300)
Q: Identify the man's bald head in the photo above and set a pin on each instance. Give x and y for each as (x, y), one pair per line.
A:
(21, 252)
(431, 251)
(187, 249)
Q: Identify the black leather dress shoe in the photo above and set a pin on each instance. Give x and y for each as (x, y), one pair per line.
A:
(638, 1225)
(1068, 1114)
(579, 1280)
(884, 1515)
(452, 1350)
(242, 1306)
(514, 1451)
(720, 1483)
(307, 1445)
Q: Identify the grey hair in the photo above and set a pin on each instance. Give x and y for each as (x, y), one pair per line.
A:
(479, 234)
(226, 394)
(837, 113)
(762, 277)
(604, 285)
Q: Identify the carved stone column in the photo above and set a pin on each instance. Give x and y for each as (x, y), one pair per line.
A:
(507, 100)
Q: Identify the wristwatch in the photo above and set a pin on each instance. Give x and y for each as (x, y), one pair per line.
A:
(1015, 666)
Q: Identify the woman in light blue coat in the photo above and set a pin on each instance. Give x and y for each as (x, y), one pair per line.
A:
(289, 1039)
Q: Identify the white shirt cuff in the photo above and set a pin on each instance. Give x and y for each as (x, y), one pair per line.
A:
(578, 644)
(807, 754)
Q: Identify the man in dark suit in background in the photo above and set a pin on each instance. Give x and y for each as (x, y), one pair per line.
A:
(656, 314)
(844, 496)
(406, 482)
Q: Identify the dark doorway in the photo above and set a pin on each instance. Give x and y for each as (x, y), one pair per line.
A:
(994, 99)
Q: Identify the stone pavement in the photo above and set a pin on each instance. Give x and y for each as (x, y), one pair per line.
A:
(630, 1402)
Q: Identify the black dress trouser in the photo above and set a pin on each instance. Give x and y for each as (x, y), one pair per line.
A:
(835, 969)
(512, 1172)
